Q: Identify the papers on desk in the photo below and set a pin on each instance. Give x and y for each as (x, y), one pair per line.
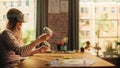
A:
(73, 62)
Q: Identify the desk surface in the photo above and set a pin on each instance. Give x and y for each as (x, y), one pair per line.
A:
(40, 60)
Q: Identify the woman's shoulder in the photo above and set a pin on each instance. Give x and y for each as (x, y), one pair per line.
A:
(6, 32)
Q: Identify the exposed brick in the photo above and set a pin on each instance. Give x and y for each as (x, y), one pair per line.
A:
(58, 22)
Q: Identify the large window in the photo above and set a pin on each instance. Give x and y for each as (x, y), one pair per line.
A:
(28, 7)
(100, 25)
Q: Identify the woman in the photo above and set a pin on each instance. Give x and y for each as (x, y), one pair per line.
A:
(11, 45)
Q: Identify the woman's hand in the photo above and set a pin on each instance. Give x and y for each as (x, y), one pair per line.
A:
(43, 49)
(44, 37)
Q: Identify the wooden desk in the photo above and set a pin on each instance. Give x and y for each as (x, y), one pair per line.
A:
(40, 61)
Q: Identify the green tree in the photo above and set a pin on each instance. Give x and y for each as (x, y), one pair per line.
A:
(28, 36)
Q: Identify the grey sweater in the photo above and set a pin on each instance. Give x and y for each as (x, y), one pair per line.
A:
(10, 49)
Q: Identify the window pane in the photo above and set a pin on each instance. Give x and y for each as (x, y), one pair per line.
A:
(101, 25)
(28, 7)
(27, 2)
(109, 29)
(113, 9)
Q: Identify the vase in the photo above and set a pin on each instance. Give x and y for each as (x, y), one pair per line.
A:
(82, 49)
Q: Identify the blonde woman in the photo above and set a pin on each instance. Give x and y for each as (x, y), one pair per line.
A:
(11, 45)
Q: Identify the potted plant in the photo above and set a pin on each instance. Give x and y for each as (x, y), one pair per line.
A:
(118, 47)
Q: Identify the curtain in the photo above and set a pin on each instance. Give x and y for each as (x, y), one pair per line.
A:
(73, 29)
(41, 17)
(42, 13)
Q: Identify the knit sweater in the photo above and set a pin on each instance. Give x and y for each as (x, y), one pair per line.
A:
(10, 49)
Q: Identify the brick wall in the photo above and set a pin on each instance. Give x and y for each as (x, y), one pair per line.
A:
(58, 22)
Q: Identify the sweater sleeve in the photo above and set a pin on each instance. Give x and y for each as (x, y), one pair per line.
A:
(12, 43)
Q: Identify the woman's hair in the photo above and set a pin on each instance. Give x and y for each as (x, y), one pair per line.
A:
(14, 16)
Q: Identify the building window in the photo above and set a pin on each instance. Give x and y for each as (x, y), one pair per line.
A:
(82, 20)
(82, 9)
(87, 33)
(113, 10)
(27, 2)
(87, 9)
(96, 9)
(119, 10)
(4, 3)
(104, 9)
(19, 3)
(4, 17)
(12, 4)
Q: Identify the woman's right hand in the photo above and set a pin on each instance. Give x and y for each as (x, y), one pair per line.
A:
(44, 37)
(43, 49)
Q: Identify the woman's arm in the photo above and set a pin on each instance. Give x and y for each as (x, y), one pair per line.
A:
(12, 43)
(42, 49)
